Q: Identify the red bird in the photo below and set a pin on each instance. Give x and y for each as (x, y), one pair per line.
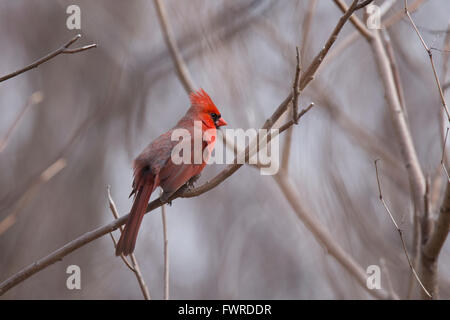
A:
(154, 166)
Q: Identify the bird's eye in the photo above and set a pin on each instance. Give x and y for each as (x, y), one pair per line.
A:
(215, 116)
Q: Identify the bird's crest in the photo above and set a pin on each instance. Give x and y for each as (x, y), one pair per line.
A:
(201, 99)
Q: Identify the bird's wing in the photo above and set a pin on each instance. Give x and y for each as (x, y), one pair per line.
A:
(173, 176)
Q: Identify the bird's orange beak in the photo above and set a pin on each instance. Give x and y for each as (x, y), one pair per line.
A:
(221, 122)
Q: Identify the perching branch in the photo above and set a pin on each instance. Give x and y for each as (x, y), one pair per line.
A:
(62, 50)
(90, 236)
(400, 232)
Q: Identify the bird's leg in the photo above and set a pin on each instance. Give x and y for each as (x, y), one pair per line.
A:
(191, 181)
(189, 185)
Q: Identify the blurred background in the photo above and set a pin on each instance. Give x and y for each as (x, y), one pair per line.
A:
(241, 240)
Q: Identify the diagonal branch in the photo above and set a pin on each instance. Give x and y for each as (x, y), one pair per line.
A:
(31, 192)
(400, 232)
(62, 50)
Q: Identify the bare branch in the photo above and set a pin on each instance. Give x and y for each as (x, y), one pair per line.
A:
(400, 232)
(430, 55)
(354, 20)
(166, 253)
(169, 38)
(388, 22)
(62, 50)
(295, 91)
(443, 156)
(363, 4)
(124, 259)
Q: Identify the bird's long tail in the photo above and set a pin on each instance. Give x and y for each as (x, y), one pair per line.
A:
(128, 237)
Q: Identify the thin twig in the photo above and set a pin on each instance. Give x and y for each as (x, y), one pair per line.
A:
(166, 253)
(124, 259)
(427, 219)
(400, 14)
(387, 23)
(443, 156)
(387, 276)
(445, 69)
(402, 130)
(34, 99)
(31, 192)
(400, 232)
(359, 25)
(62, 50)
(295, 91)
(430, 55)
(135, 265)
(113, 208)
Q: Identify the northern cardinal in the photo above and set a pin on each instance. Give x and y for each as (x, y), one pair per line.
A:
(154, 166)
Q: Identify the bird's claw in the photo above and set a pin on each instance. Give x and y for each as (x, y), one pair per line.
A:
(191, 181)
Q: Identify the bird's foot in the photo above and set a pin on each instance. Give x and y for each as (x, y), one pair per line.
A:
(191, 181)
